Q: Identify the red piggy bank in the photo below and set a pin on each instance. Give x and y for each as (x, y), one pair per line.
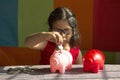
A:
(93, 61)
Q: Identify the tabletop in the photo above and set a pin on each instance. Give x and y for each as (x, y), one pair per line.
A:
(42, 72)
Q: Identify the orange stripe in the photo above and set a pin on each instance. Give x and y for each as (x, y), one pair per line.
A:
(84, 11)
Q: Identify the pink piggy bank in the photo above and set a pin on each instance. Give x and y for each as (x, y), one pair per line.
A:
(93, 60)
(60, 60)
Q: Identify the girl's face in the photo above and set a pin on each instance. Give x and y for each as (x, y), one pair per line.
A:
(64, 29)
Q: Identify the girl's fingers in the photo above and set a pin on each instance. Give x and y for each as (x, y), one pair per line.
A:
(58, 38)
(52, 37)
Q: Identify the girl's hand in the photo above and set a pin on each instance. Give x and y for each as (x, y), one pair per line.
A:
(56, 37)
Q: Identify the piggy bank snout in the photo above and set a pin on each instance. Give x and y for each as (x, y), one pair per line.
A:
(54, 61)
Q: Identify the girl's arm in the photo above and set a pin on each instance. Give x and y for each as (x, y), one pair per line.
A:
(39, 40)
(79, 59)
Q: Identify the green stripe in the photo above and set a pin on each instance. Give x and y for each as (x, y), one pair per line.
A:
(33, 15)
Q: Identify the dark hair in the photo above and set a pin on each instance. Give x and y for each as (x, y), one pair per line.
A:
(63, 13)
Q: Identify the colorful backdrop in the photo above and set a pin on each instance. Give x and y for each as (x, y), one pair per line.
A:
(98, 21)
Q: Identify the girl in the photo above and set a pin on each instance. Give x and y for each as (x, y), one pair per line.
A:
(62, 31)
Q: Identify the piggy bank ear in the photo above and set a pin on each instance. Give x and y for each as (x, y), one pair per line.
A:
(88, 61)
(55, 52)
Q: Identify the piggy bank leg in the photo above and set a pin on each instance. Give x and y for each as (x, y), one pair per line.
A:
(69, 67)
(101, 67)
(53, 69)
(96, 69)
(86, 69)
(62, 70)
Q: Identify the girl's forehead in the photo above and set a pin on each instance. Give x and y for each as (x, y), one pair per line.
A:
(61, 24)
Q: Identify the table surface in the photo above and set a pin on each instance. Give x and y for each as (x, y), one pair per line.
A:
(42, 72)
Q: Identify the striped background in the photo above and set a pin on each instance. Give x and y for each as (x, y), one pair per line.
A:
(98, 21)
